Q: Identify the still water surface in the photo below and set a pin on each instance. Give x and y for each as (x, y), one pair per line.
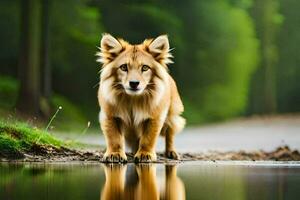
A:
(182, 181)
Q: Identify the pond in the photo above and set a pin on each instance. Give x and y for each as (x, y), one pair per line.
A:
(191, 180)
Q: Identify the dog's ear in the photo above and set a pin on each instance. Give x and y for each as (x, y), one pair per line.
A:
(110, 48)
(159, 48)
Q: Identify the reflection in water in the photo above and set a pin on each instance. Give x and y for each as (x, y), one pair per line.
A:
(201, 181)
(141, 182)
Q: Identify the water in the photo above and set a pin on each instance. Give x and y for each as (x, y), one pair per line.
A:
(195, 180)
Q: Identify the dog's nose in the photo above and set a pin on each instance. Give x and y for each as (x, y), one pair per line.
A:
(134, 84)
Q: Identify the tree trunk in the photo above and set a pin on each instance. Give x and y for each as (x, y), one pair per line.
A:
(263, 94)
(269, 54)
(29, 64)
(45, 62)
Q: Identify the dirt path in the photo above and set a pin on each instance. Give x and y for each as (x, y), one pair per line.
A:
(52, 154)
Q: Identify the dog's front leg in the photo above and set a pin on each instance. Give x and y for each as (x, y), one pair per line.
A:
(146, 151)
(115, 147)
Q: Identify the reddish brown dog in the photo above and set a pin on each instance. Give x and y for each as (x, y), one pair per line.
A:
(138, 98)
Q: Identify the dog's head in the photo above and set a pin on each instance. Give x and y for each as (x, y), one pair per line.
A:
(134, 68)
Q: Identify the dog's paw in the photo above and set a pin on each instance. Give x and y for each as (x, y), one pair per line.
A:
(172, 155)
(145, 156)
(115, 157)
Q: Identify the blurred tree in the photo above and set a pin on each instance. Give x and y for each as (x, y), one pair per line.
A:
(9, 36)
(29, 66)
(287, 69)
(45, 60)
(268, 21)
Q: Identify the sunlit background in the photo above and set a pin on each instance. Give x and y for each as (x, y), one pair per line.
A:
(232, 58)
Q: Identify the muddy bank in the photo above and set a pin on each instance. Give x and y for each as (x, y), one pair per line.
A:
(47, 153)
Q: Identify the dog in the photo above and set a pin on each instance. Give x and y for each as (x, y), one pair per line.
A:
(138, 98)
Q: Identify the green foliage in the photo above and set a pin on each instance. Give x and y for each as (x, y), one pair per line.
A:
(226, 58)
(8, 143)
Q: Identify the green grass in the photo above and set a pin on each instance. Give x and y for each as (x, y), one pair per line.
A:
(19, 137)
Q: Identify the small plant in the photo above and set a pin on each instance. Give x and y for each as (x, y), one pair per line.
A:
(84, 131)
(52, 118)
(86, 128)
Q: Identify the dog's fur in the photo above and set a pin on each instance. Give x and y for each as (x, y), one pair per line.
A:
(139, 116)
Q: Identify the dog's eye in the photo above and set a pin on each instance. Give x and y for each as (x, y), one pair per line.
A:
(145, 68)
(124, 67)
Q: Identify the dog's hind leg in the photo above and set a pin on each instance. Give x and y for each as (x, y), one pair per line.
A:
(175, 125)
(170, 149)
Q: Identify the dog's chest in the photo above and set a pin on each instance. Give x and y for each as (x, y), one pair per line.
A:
(132, 115)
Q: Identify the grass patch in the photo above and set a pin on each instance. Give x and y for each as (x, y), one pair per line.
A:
(17, 137)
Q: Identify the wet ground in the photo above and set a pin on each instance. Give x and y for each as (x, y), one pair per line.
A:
(190, 180)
